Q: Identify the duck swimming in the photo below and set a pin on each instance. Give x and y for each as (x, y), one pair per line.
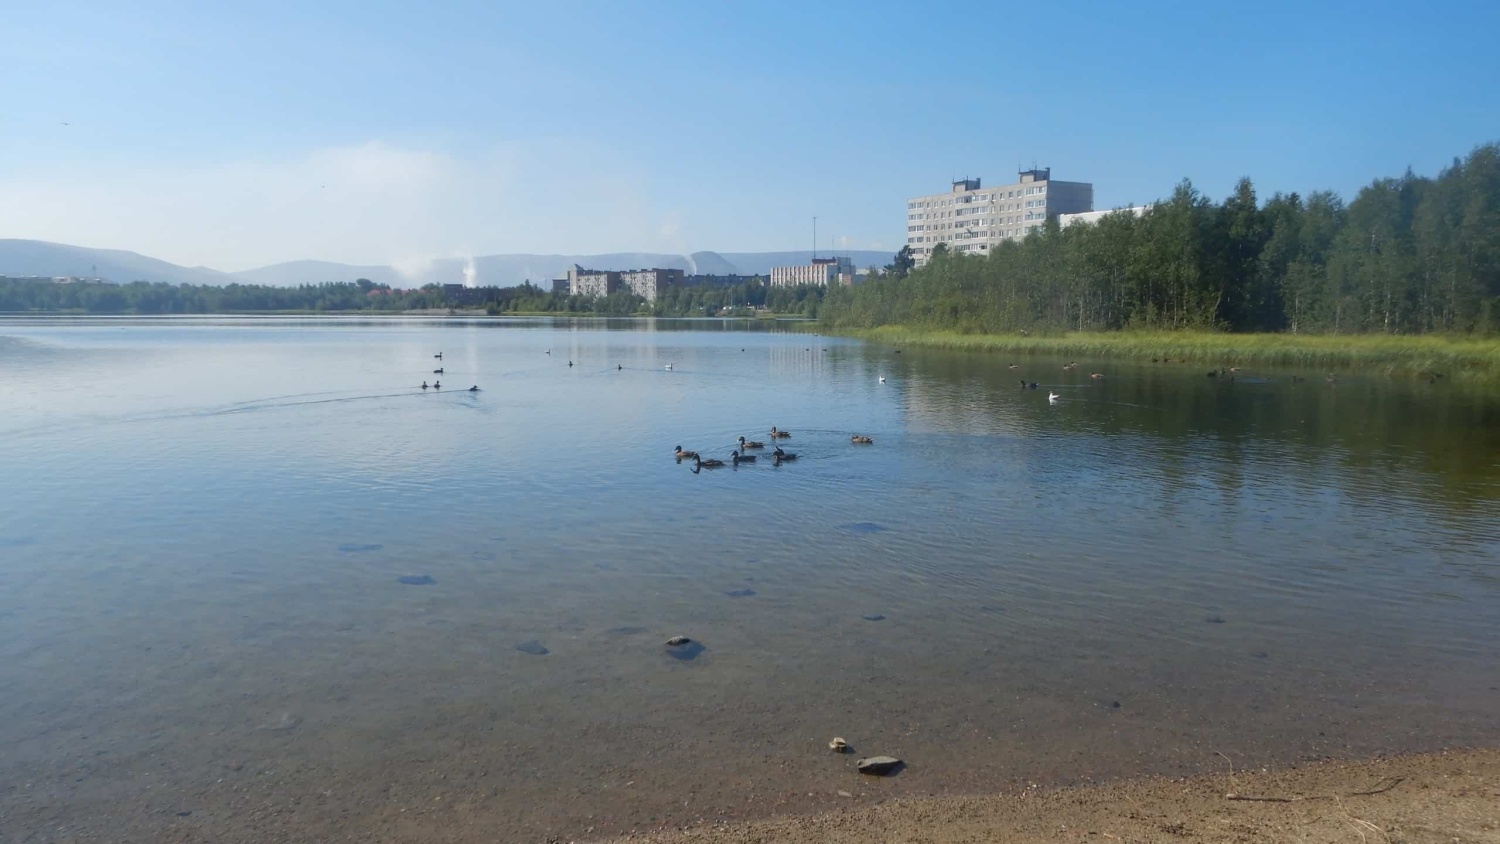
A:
(744, 444)
(437, 385)
(710, 463)
(439, 355)
(780, 435)
(438, 371)
(780, 455)
(685, 455)
(859, 440)
(424, 385)
(741, 458)
(474, 389)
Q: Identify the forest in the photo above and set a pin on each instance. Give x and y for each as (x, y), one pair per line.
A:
(1408, 255)
(143, 298)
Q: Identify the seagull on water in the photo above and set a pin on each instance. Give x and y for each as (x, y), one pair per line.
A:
(1052, 397)
(882, 379)
(669, 367)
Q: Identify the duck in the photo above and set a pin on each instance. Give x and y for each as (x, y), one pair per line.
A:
(424, 385)
(1014, 366)
(859, 440)
(780, 435)
(741, 458)
(437, 385)
(780, 455)
(710, 463)
(439, 355)
(438, 371)
(1031, 386)
(1096, 375)
(549, 351)
(685, 455)
(570, 364)
(744, 444)
(474, 389)
(1052, 397)
(619, 366)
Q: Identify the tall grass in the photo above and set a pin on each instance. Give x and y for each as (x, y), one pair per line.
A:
(1459, 358)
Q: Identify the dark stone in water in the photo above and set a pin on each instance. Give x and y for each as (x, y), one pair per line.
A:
(862, 527)
(1213, 619)
(686, 652)
(355, 548)
(740, 593)
(416, 580)
(625, 631)
(875, 617)
(532, 647)
(1114, 704)
(1260, 654)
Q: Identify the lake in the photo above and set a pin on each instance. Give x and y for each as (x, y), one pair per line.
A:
(258, 585)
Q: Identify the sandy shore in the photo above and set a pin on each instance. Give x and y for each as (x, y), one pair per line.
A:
(1441, 797)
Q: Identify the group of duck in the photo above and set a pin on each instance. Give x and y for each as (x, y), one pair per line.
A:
(438, 385)
(741, 455)
(1053, 398)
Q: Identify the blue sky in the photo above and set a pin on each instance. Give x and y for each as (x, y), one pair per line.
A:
(237, 135)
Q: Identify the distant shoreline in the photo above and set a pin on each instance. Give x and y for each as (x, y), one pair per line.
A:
(1434, 357)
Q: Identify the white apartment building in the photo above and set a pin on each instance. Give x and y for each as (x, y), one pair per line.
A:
(822, 271)
(973, 219)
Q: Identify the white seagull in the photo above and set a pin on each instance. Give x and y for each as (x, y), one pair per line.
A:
(669, 367)
(1052, 397)
(882, 379)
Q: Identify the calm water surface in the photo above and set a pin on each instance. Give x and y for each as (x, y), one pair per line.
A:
(256, 585)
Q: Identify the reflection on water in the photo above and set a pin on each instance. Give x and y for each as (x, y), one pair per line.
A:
(253, 571)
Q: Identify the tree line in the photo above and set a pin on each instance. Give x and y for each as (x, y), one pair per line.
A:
(44, 296)
(1408, 255)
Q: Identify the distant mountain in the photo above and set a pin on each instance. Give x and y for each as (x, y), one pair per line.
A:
(293, 273)
(38, 257)
(508, 270)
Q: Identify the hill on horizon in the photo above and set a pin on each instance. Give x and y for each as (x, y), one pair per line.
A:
(41, 258)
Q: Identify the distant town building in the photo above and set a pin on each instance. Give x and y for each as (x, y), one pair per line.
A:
(822, 271)
(972, 219)
(718, 280)
(582, 282)
(648, 284)
(560, 285)
(1065, 220)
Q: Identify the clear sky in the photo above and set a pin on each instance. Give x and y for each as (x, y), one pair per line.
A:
(237, 135)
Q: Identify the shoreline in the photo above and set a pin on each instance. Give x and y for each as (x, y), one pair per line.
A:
(1443, 796)
(1442, 358)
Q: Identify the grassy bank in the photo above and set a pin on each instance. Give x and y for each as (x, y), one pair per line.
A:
(1465, 359)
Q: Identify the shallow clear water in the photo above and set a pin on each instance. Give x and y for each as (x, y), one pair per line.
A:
(251, 572)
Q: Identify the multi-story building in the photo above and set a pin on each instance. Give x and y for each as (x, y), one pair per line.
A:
(972, 219)
(582, 282)
(821, 271)
(649, 284)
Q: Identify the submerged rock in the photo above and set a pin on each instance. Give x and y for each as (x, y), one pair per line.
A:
(879, 766)
(862, 527)
(532, 647)
(740, 593)
(678, 640)
(684, 649)
(355, 548)
(415, 580)
(873, 617)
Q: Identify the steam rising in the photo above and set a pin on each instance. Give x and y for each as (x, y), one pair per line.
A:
(471, 275)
